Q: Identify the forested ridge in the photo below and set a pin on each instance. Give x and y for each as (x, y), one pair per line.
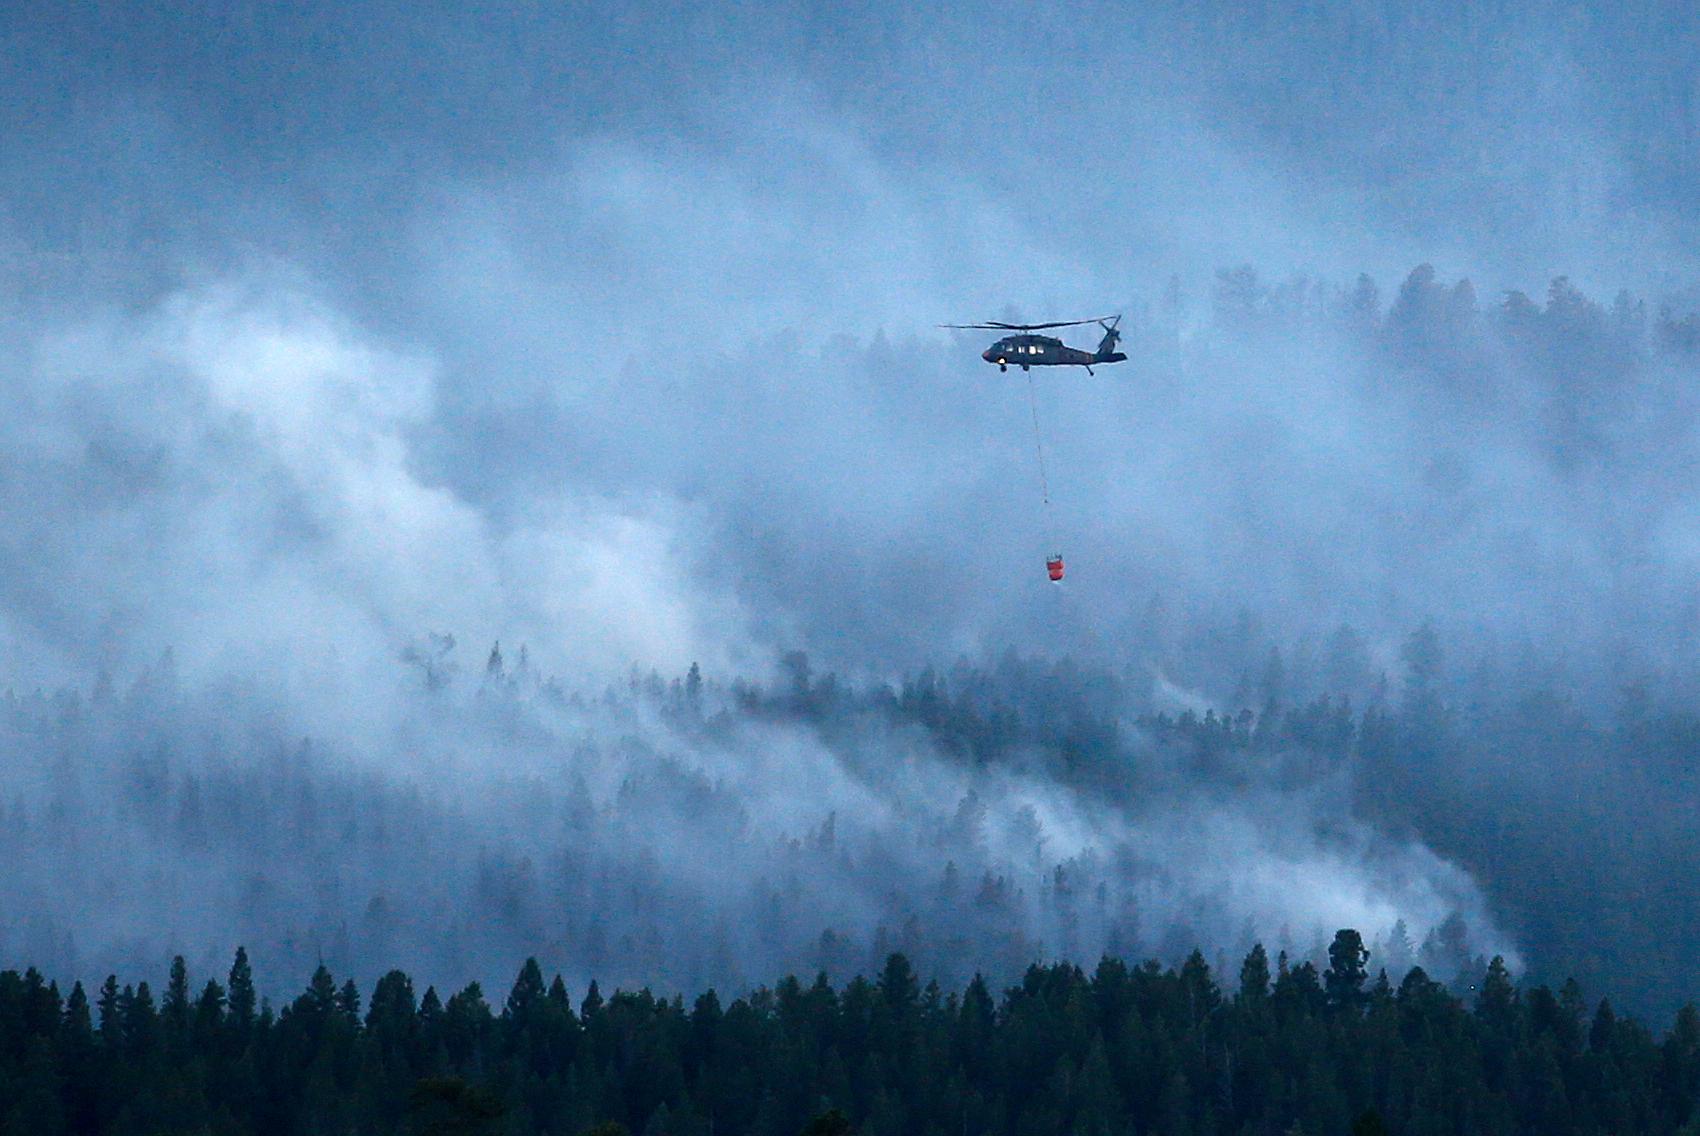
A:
(309, 856)
(1280, 1048)
(1504, 789)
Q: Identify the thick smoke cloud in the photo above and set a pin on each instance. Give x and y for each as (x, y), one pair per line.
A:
(674, 837)
(229, 474)
(331, 331)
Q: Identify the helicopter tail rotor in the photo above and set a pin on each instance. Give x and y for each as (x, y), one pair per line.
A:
(1107, 352)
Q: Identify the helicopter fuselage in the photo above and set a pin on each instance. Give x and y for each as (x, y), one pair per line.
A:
(1026, 351)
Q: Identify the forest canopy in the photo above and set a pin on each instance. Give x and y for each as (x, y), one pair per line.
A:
(1279, 1048)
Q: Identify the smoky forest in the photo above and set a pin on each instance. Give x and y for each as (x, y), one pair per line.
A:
(536, 598)
(1201, 799)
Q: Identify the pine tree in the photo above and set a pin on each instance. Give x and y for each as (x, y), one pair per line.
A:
(348, 1003)
(527, 994)
(209, 1016)
(1347, 970)
(1254, 979)
(110, 1022)
(1496, 1003)
(241, 994)
(79, 1057)
(174, 1011)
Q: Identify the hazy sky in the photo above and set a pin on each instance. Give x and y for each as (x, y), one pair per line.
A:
(578, 326)
(611, 330)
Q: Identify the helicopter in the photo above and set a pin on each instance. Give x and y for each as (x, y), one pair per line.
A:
(1027, 350)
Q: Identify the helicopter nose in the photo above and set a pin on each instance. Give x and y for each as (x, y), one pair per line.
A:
(986, 355)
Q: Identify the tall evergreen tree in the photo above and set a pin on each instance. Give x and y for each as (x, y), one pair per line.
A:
(1347, 971)
(1254, 979)
(241, 984)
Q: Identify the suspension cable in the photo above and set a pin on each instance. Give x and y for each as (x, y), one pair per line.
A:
(1038, 440)
(1039, 448)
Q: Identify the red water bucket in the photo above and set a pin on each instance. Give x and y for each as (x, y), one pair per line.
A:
(1054, 566)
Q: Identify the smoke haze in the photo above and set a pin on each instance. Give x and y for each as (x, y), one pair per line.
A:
(338, 336)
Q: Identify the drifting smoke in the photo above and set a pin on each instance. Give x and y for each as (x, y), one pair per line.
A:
(630, 360)
(676, 836)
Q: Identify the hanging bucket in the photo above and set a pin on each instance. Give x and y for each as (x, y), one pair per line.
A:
(1054, 567)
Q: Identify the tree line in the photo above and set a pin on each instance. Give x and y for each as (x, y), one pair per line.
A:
(1288, 1047)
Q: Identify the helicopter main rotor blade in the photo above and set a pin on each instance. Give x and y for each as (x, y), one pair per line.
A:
(996, 326)
(1041, 326)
